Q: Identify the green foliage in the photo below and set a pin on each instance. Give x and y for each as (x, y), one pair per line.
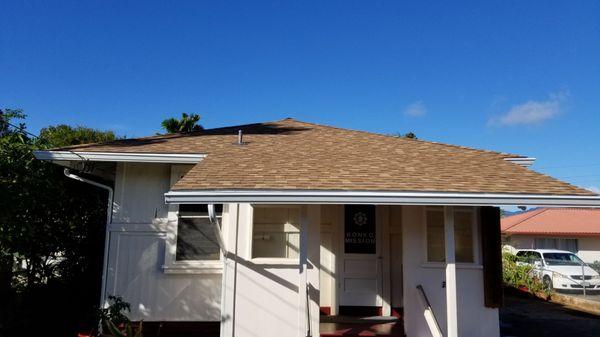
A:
(595, 265)
(51, 231)
(187, 123)
(127, 330)
(115, 322)
(115, 312)
(410, 135)
(520, 275)
(65, 135)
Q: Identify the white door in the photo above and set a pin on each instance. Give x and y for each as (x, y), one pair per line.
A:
(361, 268)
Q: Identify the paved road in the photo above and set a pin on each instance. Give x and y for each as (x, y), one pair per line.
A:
(595, 296)
(522, 316)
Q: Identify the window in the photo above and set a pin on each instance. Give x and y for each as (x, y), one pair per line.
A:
(464, 234)
(196, 237)
(435, 235)
(529, 256)
(570, 245)
(276, 232)
(562, 259)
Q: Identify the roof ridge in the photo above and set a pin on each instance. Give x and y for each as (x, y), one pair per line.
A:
(506, 154)
(192, 133)
(161, 136)
(534, 213)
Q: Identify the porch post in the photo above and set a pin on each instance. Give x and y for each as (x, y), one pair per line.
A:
(451, 293)
(308, 285)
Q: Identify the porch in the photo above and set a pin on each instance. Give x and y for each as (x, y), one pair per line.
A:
(355, 270)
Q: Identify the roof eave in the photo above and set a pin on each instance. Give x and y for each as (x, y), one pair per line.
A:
(140, 157)
(376, 197)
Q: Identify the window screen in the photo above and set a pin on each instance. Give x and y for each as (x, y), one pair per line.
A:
(570, 245)
(196, 238)
(276, 232)
(463, 235)
(435, 235)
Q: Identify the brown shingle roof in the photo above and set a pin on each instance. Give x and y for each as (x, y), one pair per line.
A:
(290, 154)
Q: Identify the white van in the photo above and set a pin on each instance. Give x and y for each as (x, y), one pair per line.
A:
(560, 269)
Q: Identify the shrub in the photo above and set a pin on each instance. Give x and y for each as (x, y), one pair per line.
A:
(595, 265)
(520, 275)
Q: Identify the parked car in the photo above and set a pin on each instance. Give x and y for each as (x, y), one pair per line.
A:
(560, 269)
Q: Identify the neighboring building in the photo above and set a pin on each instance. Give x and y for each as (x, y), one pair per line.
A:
(574, 229)
(314, 218)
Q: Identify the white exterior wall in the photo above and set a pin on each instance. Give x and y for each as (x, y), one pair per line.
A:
(589, 247)
(137, 246)
(269, 296)
(474, 319)
(516, 242)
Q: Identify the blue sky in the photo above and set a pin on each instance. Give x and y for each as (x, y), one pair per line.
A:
(514, 76)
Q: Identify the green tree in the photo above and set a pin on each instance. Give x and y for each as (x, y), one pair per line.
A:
(65, 135)
(51, 232)
(187, 123)
(410, 135)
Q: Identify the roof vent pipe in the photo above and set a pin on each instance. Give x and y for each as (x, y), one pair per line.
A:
(240, 137)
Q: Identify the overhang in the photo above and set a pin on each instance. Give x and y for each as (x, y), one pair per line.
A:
(376, 197)
(175, 158)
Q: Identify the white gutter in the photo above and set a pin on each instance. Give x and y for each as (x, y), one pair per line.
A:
(109, 209)
(523, 161)
(374, 197)
(176, 158)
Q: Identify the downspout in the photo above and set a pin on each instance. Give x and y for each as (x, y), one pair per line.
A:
(109, 209)
(212, 216)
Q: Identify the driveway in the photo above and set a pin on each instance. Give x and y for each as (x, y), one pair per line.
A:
(523, 316)
(593, 296)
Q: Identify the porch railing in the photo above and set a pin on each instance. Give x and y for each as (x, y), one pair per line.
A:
(308, 320)
(432, 321)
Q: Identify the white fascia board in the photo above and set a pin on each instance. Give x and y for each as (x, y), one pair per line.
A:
(177, 158)
(523, 161)
(372, 197)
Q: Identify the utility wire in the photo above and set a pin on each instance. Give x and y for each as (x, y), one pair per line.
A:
(22, 130)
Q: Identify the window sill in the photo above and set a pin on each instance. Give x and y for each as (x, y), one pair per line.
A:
(215, 267)
(436, 265)
(276, 261)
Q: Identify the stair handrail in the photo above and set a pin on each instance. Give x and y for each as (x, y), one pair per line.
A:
(308, 320)
(421, 290)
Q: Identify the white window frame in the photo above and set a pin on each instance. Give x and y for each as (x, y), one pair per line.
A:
(271, 260)
(171, 265)
(476, 264)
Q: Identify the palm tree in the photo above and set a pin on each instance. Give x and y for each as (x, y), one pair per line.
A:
(187, 123)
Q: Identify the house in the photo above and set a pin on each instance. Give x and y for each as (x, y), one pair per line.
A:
(274, 229)
(573, 229)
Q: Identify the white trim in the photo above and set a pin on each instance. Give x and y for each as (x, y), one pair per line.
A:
(176, 158)
(451, 285)
(372, 197)
(194, 267)
(523, 161)
(442, 265)
(171, 265)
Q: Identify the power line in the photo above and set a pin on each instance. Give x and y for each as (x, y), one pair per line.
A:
(568, 166)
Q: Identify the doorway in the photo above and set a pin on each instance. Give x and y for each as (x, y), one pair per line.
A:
(361, 264)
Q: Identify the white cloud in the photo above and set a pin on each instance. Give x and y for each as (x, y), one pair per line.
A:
(594, 189)
(416, 109)
(531, 112)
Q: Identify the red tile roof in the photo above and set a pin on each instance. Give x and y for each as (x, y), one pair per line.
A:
(554, 221)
